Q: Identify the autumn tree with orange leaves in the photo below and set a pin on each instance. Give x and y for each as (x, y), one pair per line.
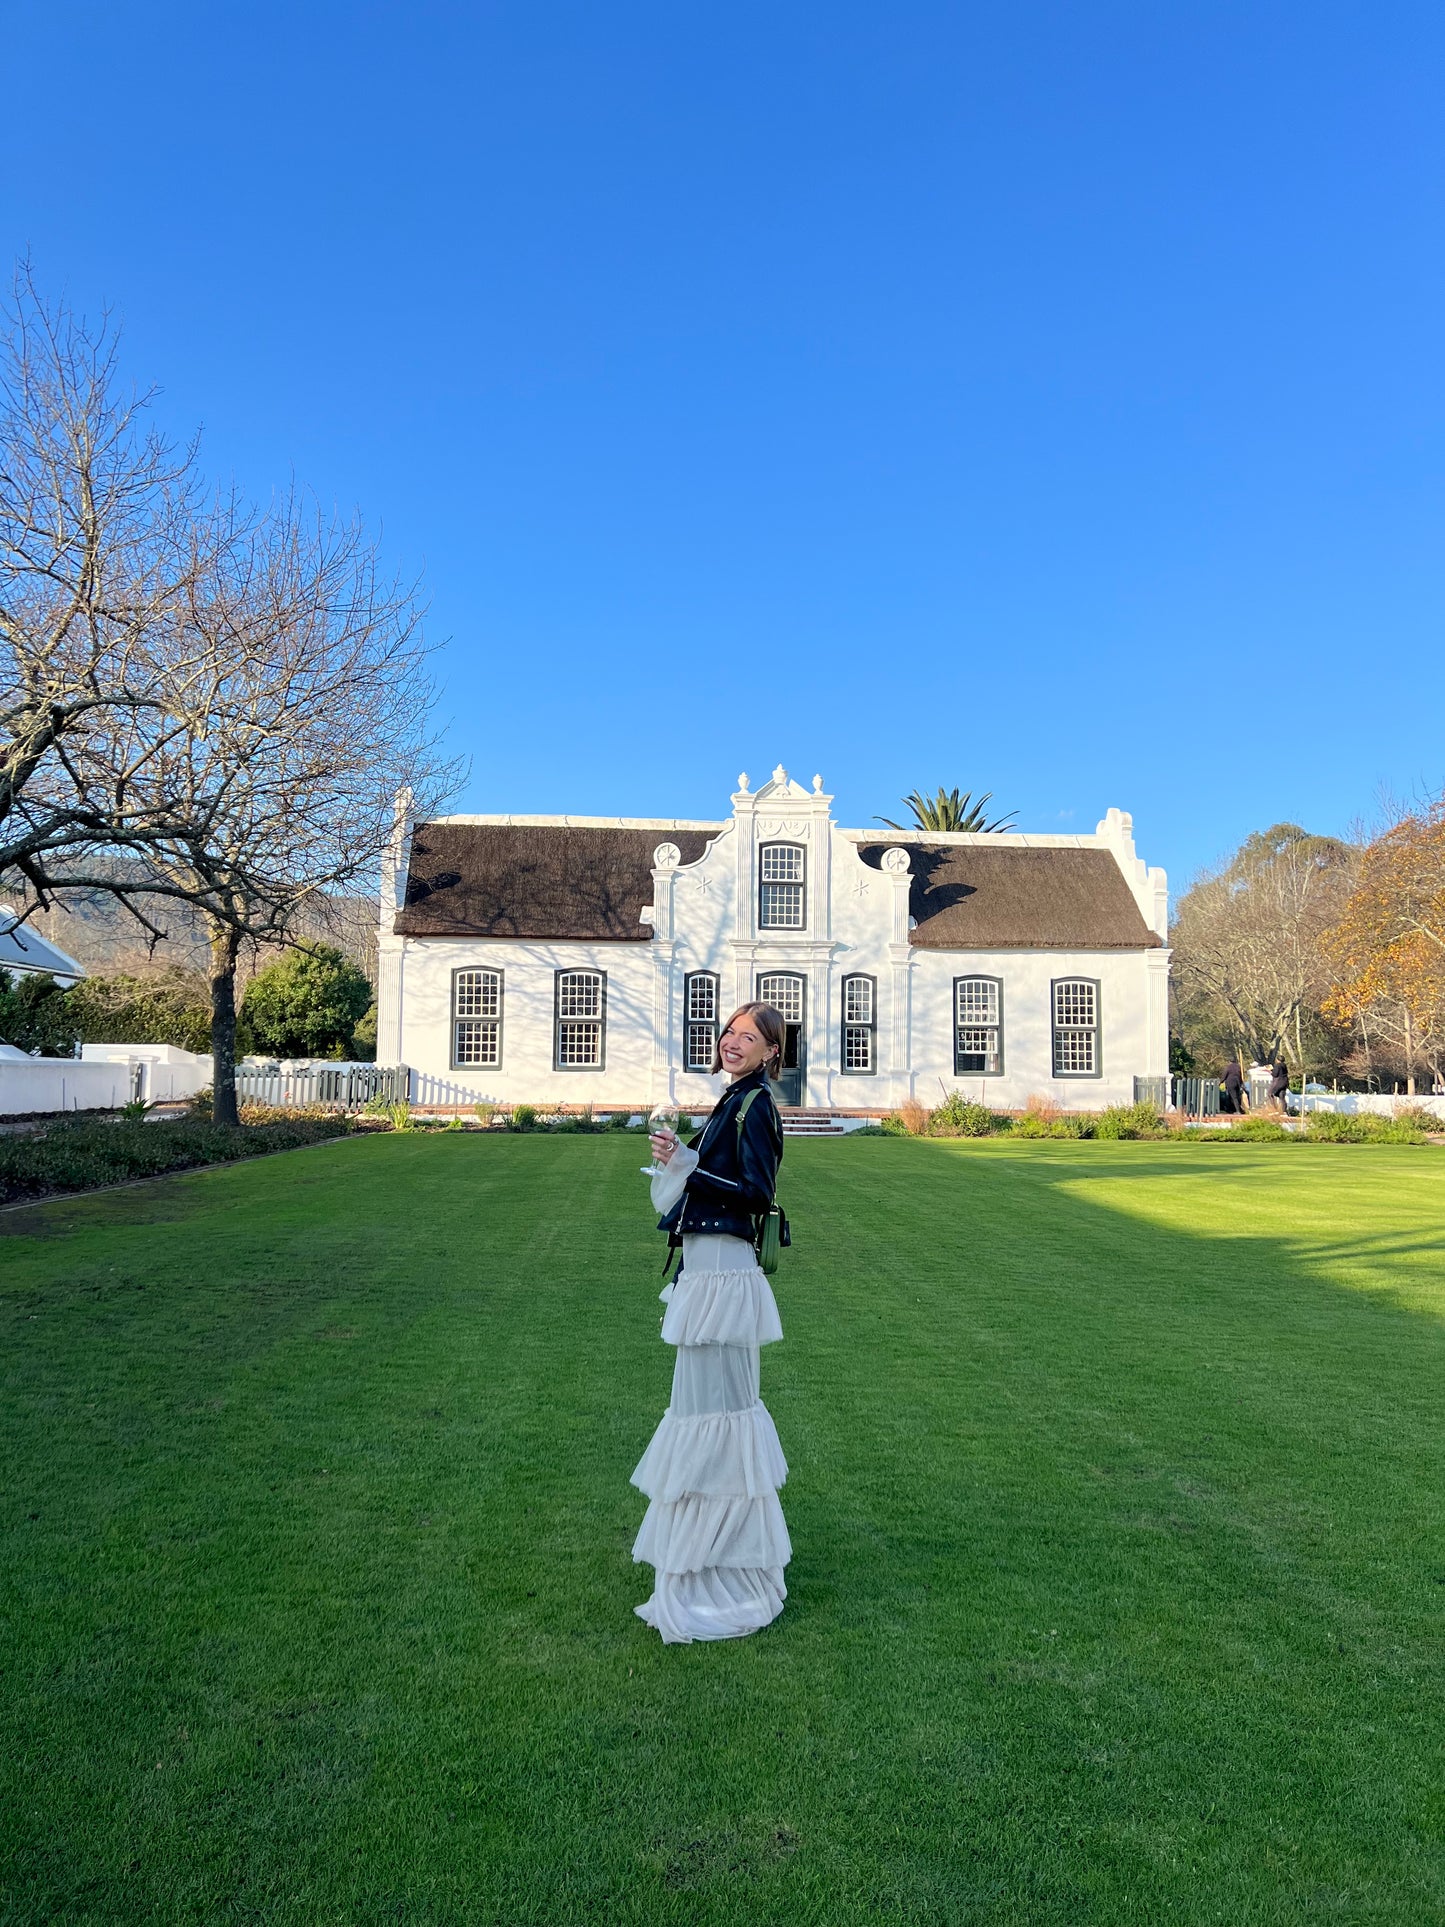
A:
(1388, 949)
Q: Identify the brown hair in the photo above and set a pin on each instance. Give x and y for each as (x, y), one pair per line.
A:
(771, 1025)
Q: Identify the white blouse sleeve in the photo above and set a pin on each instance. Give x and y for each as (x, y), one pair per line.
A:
(669, 1187)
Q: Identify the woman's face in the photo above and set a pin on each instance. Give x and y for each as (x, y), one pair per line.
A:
(742, 1046)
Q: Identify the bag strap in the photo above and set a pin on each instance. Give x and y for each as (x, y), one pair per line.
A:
(774, 1209)
(745, 1106)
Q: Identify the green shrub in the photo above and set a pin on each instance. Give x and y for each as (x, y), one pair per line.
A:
(83, 1152)
(524, 1117)
(1253, 1130)
(959, 1116)
(485, 1112)
(1030, 1125)
(171, 1007)
(1141, 1120)
(1419, 1119)
(619, 1121)
(1332, 1127)
(307, 1003)
(363, 1038)
(37, 1015)
(567, 1126)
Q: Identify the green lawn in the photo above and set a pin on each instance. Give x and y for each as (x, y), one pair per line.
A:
(1118, 1592)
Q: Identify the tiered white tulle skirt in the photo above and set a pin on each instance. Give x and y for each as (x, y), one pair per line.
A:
(714, 1530)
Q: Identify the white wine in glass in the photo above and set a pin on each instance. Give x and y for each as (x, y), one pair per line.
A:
(662, 1117)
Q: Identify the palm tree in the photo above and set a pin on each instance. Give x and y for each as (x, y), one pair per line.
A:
(950, 811)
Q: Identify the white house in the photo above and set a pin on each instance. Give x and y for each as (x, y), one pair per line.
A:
(554, 959)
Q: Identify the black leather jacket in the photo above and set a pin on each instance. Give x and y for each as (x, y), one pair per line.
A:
(737, 1172)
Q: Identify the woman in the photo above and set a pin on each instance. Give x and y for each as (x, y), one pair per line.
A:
(714, 1530)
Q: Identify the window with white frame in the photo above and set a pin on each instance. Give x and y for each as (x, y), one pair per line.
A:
(700, 1020)
(780, 891)
(1076, 1027)
(581, 1020)
(860, 1026)
(476, 1018)
(977, 1027)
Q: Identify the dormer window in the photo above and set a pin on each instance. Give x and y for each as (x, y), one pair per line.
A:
(780, 890)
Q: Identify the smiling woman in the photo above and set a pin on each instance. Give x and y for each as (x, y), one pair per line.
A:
(714, 1530)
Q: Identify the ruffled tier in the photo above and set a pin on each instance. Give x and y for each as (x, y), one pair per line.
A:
(691, 1534)
(727, 1603)
(721, 1308)
(715, 1454)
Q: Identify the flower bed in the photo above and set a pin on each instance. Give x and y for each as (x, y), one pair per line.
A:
(86, 1152)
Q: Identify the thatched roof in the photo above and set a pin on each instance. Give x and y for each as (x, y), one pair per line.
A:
(985, 896)
(535, 879)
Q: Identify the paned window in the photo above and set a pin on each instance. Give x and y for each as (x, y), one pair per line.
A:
(581, 1020)
(860, 1026)
(785, 993)
(700, 1020)
(780, 892)
(476, 1018)
(1076, 1027)
(977, 1027)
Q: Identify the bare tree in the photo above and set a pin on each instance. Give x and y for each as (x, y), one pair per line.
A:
(303, 684)
(1248, 940)
(97, 550)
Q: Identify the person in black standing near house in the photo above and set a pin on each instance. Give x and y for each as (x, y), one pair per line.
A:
(1231, 1098)
(1279, 1084)
(714, 1530)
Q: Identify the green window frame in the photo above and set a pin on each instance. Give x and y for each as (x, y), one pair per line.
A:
(477, 994)
(978, 1026)
(579, 1025)
(1076, 1009)
(858, 1055)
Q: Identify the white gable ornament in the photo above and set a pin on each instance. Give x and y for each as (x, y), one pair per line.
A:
(666, 856)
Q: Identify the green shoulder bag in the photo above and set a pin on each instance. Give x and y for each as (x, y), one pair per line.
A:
(769, 1237)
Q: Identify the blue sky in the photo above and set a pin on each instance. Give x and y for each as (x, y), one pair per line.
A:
(1042, 398)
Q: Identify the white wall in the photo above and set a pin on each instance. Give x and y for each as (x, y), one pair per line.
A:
(166, 1071)
(62, 1084)
(1381, 1103)
(105, 1076)
(526, 1074)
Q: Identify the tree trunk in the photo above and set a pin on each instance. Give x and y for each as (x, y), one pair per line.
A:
(1409, 1053)
(225, 947)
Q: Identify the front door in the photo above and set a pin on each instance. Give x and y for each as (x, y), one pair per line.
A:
(783, 989)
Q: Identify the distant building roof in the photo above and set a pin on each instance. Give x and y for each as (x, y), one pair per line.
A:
(24, 949)
(536, 880)
(985, 896)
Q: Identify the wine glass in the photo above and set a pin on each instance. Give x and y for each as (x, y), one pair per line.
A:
(662, 1117)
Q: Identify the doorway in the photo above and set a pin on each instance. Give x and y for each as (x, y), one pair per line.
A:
(784, 990)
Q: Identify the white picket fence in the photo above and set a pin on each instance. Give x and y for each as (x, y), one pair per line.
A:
(349, 1086)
